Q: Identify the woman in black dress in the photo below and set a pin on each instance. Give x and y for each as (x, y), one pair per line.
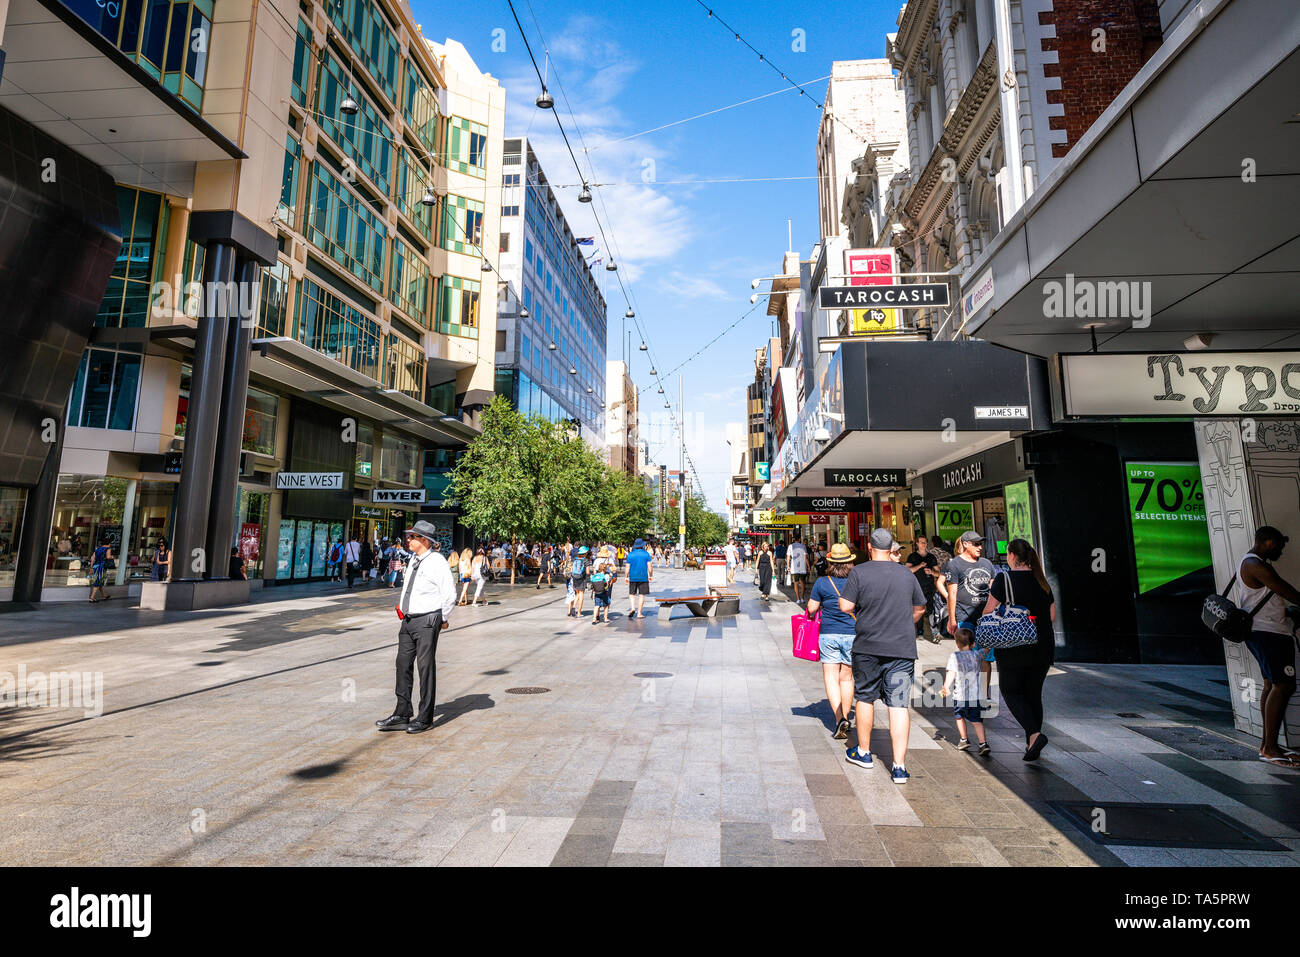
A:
(765, 571)
(367, 560)
(1022, 670)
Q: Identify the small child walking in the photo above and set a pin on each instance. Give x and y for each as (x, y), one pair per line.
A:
(968, 676)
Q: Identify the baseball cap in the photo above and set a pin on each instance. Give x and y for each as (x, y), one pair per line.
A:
(971, 537)
(882, 538)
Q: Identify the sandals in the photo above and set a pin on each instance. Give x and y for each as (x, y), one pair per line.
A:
(1283, 761)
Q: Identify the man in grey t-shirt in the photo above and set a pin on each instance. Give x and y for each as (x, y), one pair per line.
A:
(886, 601)
(966, 580)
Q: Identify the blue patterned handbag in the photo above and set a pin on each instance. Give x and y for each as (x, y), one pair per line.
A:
(1007, 626)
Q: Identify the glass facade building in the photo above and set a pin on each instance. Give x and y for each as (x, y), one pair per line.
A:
(549, 279)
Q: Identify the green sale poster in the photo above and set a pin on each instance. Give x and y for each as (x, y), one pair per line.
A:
(1020, 523)
(1167, 513)
(953, 518)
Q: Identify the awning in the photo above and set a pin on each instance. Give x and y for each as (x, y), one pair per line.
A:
(1155, 192)
(71, 82)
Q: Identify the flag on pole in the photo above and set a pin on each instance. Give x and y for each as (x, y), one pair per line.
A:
(587, 241)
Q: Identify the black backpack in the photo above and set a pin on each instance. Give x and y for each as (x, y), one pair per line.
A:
(1222, 616)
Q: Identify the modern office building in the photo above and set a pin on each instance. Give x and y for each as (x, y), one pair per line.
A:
(551, 323)
(621, 414)
(268, 266)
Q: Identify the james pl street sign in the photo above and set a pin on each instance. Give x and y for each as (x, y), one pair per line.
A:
(921, 295)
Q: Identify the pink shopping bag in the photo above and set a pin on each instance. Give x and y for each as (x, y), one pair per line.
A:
(807, 633)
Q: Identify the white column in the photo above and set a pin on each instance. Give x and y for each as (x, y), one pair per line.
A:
(128, 523)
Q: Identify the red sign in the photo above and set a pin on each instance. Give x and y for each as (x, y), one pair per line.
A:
(250, 541)
(817, 518)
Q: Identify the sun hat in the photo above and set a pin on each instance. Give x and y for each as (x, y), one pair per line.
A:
(639, 543)
(583, 550)
(840, 553)
(604, 552)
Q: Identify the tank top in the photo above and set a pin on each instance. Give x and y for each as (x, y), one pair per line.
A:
(1272, 617)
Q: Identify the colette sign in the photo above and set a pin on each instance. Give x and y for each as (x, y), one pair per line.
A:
(827, 503)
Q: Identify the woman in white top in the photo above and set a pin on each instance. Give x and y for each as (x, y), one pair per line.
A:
(477, 565)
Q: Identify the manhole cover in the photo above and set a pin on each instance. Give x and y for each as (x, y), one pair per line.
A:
(1162, 825)
(1198, 743)
(527, 690)
(653, 674)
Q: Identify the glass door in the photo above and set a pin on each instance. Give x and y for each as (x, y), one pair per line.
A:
(319, 549)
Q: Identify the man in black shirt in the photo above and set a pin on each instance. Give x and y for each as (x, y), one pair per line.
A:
(926, 568)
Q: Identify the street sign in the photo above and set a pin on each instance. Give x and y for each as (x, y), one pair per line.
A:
(844, 478)
(921, 295)
(309, 480)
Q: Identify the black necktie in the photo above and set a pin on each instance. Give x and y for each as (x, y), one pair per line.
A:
(405, 605)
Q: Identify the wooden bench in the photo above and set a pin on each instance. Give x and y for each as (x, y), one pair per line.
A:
(702, 606)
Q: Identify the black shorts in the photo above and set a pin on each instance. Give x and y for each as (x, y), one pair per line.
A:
(638, 588)
(1275, 654)
(886, 679)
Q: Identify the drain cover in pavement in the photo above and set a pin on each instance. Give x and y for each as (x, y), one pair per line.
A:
(1163, 825)
(527, 690)
(1197, 743)
(653, 674)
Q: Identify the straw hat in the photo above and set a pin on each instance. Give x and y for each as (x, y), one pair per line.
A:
(840, 553)
(604, 552)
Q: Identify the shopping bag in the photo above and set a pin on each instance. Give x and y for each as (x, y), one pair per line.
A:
(807, 634)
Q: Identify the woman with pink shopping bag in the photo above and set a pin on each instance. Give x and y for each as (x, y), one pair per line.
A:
(835, 643)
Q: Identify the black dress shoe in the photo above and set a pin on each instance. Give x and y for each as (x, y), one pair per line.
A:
(416, 727)
(394, 722)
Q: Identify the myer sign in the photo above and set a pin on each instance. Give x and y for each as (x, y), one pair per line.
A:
(1181, 384)
(309, 480)
(397, 496)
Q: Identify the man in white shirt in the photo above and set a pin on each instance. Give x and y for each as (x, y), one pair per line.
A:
(730, 552)
(352, 557)
(428, 596)
(797, 556)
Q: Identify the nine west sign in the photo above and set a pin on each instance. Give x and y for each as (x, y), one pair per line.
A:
(397, 496)
(308, 480)
(1181, 384)
(836, 478)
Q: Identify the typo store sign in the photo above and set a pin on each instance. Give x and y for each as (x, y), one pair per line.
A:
(867, 477)
(1181, 384)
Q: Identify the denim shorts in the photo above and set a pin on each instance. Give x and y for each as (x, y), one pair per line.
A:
(889, 679)
(835, 649)
(1275, 654)
(970, 710)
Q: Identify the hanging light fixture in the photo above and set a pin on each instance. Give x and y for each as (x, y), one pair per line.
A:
(585, 195)
(653, 372)
(573, 370)
(349, 106)
(590, 390)
(667, 406)
(611, 265)
(661, 390)
(544, 100)
(429, 198)
(644, 347)
(487, 266)
(551, 347)
(630, 314)
(523, 313)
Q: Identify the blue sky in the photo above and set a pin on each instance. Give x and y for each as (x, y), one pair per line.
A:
(686, 249)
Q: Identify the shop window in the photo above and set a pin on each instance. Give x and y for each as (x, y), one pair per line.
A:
(88, 509)
(105, 391)
(12, 503)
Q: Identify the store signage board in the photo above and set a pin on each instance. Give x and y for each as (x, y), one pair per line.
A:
(1020, 523)
(953, 518)
(309, 480)
(1167, 513)
(867, 477)
(827, 503)
(782, 521)
(979, 296)
(919, 295)
(1181, 384)
(763, 470)
(871, 267)
(398, 496)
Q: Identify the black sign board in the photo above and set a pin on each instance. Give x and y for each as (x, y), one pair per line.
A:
(865, 478)
(172, 463)
(827, 503)
(920, 295)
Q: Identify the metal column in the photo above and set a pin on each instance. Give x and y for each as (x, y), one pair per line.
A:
(38, 514)
(189, 560)
(230, 434)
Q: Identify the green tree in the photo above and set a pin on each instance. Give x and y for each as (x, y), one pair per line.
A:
(627, 507)
(703, 527)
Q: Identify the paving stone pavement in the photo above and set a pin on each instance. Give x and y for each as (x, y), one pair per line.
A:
(246, 736)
